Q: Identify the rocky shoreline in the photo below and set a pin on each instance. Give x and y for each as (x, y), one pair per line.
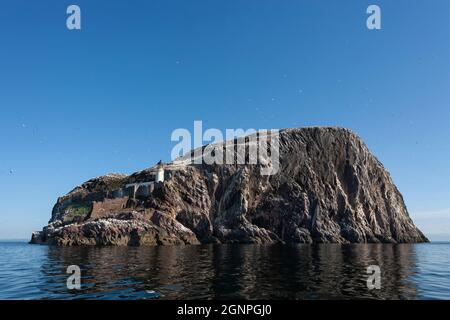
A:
(329, 189)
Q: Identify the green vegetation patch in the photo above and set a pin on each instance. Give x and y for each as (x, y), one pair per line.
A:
(74, 211)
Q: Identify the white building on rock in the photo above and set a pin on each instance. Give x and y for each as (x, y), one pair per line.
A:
(159, 172)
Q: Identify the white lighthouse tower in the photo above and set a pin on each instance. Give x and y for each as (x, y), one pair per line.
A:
(159, 172)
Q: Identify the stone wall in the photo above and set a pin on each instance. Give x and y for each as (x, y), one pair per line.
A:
(107, 207)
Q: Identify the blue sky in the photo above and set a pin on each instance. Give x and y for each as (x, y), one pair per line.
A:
(79, 104)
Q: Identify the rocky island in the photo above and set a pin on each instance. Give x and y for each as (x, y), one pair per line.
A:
(329, 189)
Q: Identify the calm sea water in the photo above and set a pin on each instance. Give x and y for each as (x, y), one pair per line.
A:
(420, 271)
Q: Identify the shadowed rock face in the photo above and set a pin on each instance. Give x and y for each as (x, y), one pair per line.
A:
(329, 189)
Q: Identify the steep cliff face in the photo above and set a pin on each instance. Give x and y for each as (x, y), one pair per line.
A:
(329, 189)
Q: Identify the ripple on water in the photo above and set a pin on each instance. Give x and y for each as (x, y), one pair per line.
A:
(228, 271)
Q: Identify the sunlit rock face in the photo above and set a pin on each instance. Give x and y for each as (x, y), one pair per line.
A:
(329, 189)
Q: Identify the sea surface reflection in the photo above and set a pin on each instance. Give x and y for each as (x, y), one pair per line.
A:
(226, 271)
